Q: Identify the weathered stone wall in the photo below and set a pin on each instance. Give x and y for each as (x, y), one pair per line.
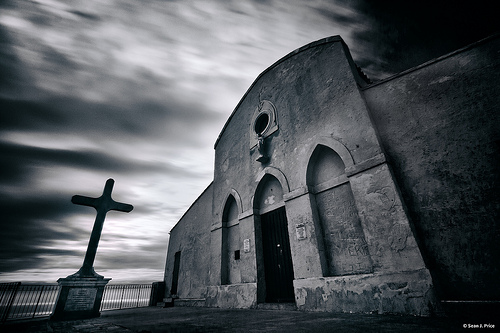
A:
(440, 128)
(191, 236)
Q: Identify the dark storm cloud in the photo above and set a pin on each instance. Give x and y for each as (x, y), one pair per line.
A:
(20, 114)
(28, 227)
(172, 114)
(21, 157)
(31, 257)
(126, 98)
(139, 118)
(54, 60)
(88, 16)
(18, 160)
(50, 208)
(337, 17)
(11, 74)
(403, 34)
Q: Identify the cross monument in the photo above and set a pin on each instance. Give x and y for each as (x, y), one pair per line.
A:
(81, 293)
(103, 204)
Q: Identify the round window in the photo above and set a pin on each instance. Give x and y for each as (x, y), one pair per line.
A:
(261, 123)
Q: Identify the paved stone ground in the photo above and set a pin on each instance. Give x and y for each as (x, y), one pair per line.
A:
(190, 320)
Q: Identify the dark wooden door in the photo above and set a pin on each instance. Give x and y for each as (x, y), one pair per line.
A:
(175, 275)
(277, 257)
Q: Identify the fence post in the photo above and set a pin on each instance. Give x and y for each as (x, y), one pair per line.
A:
(10, 301)
(152, 296)
(104, 292)
(121, 299)
(138, 296)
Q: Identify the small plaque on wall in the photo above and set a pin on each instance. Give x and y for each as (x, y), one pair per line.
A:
(246, 245)
(300, 230)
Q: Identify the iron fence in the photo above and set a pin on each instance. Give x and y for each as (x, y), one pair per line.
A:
(25, 301)
(19, 301)
(123, 296)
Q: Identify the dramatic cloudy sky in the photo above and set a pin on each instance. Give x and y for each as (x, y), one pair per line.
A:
(138, 91)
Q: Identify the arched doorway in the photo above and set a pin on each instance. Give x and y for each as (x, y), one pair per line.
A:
(276, 253)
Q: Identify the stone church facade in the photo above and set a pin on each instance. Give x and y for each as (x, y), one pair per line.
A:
(336, 194)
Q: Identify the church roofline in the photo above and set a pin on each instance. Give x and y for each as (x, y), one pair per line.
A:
(326, 40)
(192, 205)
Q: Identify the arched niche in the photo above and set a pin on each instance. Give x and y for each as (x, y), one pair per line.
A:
(230, 212)
(325, 165)
(346, 250)
(230, 270)
(270, 179)
(231, 195)
(269, 194)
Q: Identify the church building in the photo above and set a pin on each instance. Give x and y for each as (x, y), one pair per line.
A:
(332, 193)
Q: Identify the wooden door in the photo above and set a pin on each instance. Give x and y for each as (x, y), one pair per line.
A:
(277, 257)
(175, 275)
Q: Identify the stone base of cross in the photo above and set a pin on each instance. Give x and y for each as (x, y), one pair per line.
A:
(79, 298)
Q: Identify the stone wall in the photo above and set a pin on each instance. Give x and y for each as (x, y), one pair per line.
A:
(191, 236)
(440, 129)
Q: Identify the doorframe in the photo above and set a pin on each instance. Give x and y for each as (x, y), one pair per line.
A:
(257, 212)
(264, 297)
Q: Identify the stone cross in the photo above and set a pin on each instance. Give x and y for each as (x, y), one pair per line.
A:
(103, 204)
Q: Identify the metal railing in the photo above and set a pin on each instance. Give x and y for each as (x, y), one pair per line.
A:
(25, 301)
(19, 301)
(124, 296)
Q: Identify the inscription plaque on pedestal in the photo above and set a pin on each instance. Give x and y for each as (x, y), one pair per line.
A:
(80, 299)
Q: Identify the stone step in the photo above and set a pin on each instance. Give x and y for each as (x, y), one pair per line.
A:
(188, 302)
(168, 302)
(277, 306)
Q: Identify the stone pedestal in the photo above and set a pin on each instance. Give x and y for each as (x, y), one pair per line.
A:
(80, 297)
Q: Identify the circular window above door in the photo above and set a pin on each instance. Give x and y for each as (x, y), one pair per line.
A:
(264, 122)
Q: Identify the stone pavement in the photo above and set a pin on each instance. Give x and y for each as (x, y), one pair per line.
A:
(190, 319)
